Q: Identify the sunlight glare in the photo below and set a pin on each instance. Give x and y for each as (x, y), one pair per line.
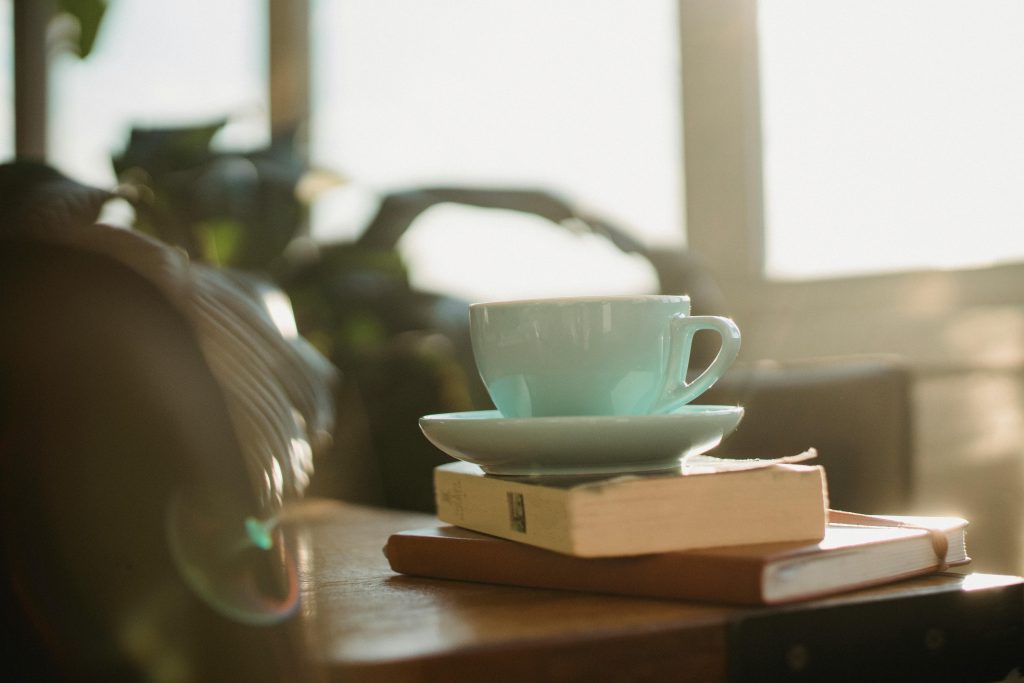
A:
(893, 134)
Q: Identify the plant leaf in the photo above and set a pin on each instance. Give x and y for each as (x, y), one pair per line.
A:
(89, 15)
(37, 197)
(220, 240)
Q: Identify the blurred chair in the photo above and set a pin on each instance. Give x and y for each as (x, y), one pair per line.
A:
(856, 411)
(111, 418)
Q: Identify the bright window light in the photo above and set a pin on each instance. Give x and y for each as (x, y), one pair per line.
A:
(159, 64)
(581, 97)
(893, 135)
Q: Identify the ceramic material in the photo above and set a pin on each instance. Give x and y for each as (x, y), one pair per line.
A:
(594, 355)
(580, 445)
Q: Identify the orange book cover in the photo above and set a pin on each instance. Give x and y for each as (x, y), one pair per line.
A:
(871, 551)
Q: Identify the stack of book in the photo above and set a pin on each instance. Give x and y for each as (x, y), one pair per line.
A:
(738, 532)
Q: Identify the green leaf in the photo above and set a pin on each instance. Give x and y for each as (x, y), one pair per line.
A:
(89, 14)
(220, 240)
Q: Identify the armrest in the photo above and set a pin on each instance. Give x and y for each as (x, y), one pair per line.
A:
(107, 410)
(857, 411)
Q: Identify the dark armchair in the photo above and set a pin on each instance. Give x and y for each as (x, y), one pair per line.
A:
(117, 441)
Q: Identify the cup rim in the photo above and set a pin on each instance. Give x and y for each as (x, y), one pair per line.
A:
(594, 298)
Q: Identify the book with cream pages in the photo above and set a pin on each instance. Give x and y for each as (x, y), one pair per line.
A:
(707, 502)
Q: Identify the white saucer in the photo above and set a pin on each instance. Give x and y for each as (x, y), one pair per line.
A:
(579, 445)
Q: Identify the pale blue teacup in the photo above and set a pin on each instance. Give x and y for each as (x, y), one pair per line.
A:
(622, 355)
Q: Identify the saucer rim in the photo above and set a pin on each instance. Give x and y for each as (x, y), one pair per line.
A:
(469, 436)
(687, 411)
(586, 299)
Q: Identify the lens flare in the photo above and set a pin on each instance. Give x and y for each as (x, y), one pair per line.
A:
(241, 567)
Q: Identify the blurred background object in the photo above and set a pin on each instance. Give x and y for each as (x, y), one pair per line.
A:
(155, 421)
(853, 210)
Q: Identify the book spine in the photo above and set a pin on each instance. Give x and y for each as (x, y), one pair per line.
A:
(507, 509)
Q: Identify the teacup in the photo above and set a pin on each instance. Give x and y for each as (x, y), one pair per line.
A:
(623, 355)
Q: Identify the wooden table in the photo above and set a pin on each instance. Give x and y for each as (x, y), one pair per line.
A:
(363, 622)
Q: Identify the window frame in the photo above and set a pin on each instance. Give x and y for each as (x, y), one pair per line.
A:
(31, 76)
(726, 225)
(289, 72)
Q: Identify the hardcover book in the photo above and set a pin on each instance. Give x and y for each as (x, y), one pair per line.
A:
(857, 551)
(710, 503)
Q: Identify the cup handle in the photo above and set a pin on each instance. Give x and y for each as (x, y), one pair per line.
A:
(682, 328)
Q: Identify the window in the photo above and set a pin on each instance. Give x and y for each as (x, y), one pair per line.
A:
(159, 64)
(579, 97)
(893, 135)
(6, 80)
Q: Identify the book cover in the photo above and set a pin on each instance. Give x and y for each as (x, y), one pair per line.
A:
(711, 503)
(849, 556)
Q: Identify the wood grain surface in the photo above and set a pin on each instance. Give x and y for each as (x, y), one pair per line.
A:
(363, 622)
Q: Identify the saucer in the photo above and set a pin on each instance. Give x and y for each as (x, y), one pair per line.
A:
(585, 445)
